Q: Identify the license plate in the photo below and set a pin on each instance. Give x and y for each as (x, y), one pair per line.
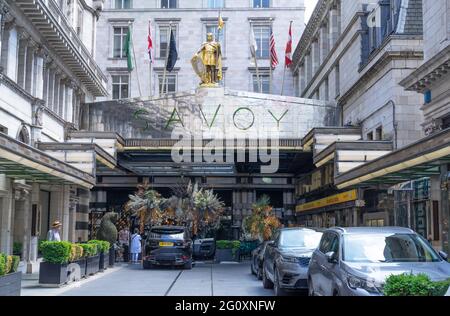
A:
(166, 244)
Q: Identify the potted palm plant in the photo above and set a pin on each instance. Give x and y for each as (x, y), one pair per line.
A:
(262, 223)
(53, 269)
(10, 277)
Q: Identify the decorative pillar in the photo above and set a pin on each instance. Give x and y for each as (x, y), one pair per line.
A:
(3, 16)
(324, 43)
(56, 86)
(335, 24)
(38, 77)
(315, 56)
(65, 196)
(22, 217)
(32, 264)
(6, 214)
(82, 218)
(29, 82)
(24, 39)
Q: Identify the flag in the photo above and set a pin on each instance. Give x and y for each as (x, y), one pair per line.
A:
(288, 58)
(253, 44)
(129, 50)
(150, 42)
(273, 52)
(221, 23)
(173, 53)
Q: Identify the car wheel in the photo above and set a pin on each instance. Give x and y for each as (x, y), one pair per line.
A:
(310, 288)
(147, 265)
(267, 284)
(252, 267)
(276, 284)
(188, 265)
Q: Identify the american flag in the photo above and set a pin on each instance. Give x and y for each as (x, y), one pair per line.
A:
(288, 58)
(273, 52)
(150, 41)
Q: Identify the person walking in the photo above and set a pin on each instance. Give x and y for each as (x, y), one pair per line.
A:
(136, 247)
(53, 234)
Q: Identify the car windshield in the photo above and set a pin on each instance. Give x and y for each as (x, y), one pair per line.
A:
(300, 239)
(176, 234)
(387, 248)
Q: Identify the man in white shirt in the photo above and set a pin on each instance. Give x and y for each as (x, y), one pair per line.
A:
(53, 234)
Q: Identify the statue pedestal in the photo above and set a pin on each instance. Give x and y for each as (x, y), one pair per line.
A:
(211, 91)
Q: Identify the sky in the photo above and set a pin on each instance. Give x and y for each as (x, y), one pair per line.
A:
(310, 5)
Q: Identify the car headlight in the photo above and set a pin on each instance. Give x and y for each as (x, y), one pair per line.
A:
(289, 259)
(358, 283)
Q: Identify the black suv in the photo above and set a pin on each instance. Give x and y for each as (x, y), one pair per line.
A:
(168, 246)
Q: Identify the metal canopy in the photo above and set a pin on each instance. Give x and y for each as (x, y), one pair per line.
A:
(418, 160)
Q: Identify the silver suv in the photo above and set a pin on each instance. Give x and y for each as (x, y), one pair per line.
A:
(287, 257)
(357, 261)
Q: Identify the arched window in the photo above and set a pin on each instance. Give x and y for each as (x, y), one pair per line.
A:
(24, 135)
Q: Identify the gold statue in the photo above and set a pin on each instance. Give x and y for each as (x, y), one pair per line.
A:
(207, 62)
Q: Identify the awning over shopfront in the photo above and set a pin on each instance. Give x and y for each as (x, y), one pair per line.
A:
(20, 161)
(418, 160)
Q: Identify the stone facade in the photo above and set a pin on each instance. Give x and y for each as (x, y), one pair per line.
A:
(47, 71)
(191, 19)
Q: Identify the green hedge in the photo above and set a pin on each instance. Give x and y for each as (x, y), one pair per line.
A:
(89, 250)
(2, 264)
(228, 244)
(15, 264)
(8, 264)
(56, 251)
(414, 285)
(102, 245)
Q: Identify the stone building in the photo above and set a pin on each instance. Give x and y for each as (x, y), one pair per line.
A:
(191, 21)
(48, 70)
(355, 53)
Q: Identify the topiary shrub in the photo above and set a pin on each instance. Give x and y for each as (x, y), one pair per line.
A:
(89, 250)
(56, 251)
(76, 252)
(108, 230)
(9, 263)
(2, 264)
(15, 264)
(414, 285)
(102, 245)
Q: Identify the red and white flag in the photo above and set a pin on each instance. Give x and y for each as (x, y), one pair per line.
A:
(150, 42)
(273, 52)
(288, 58)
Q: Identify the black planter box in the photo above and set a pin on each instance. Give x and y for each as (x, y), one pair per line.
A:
(11, 284)
(77, 269)
(92, 265)
(226, 255)
(112, 257)
(52, 274)
(102, 263)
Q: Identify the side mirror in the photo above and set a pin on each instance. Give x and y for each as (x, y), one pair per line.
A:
(331, 257)
(443, 255)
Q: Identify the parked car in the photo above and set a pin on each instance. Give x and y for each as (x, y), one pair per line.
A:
(258, 259)
(357, 261)
(286, 259)
(168, 246)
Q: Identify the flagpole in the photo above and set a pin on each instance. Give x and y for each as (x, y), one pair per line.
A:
(270, 63)
(256, 63)
(135, 62)
(151, 60)
(282, 84)
(164, 88)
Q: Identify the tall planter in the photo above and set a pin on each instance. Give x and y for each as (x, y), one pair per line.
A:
(92, 265)
(77, 269)
(102, 261)
(52, 274)
(227, 255)
(10, 284)
(112, 256)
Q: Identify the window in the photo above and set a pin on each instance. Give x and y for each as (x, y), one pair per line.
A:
(79, 28)
(427, 97)
(169, 4)
(327, 89)
(379, 133)
(123, 4)
(170, 85)
(262, 37)
(261, 3)
(375, 223)
(214, 4)
(3, 129)
(337, 80)
(164, 39)
(325, 245)
(120, 36)
(370, 136)
(264, 82)
(120, 87)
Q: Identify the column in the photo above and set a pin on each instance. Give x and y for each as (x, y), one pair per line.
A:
(82, 222)
(56, 85)
(22, 217)
(38, 78)
(315, 56)
(302, 78)
(30, 69)
(74, 200)
(65, 195)
(6, 214)
(24, 39)
(3, 16)
(62, 97)
(445, 208)
(70, 109)
(308, 65)
(324, 43)
(32, 264)
(335, 24)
